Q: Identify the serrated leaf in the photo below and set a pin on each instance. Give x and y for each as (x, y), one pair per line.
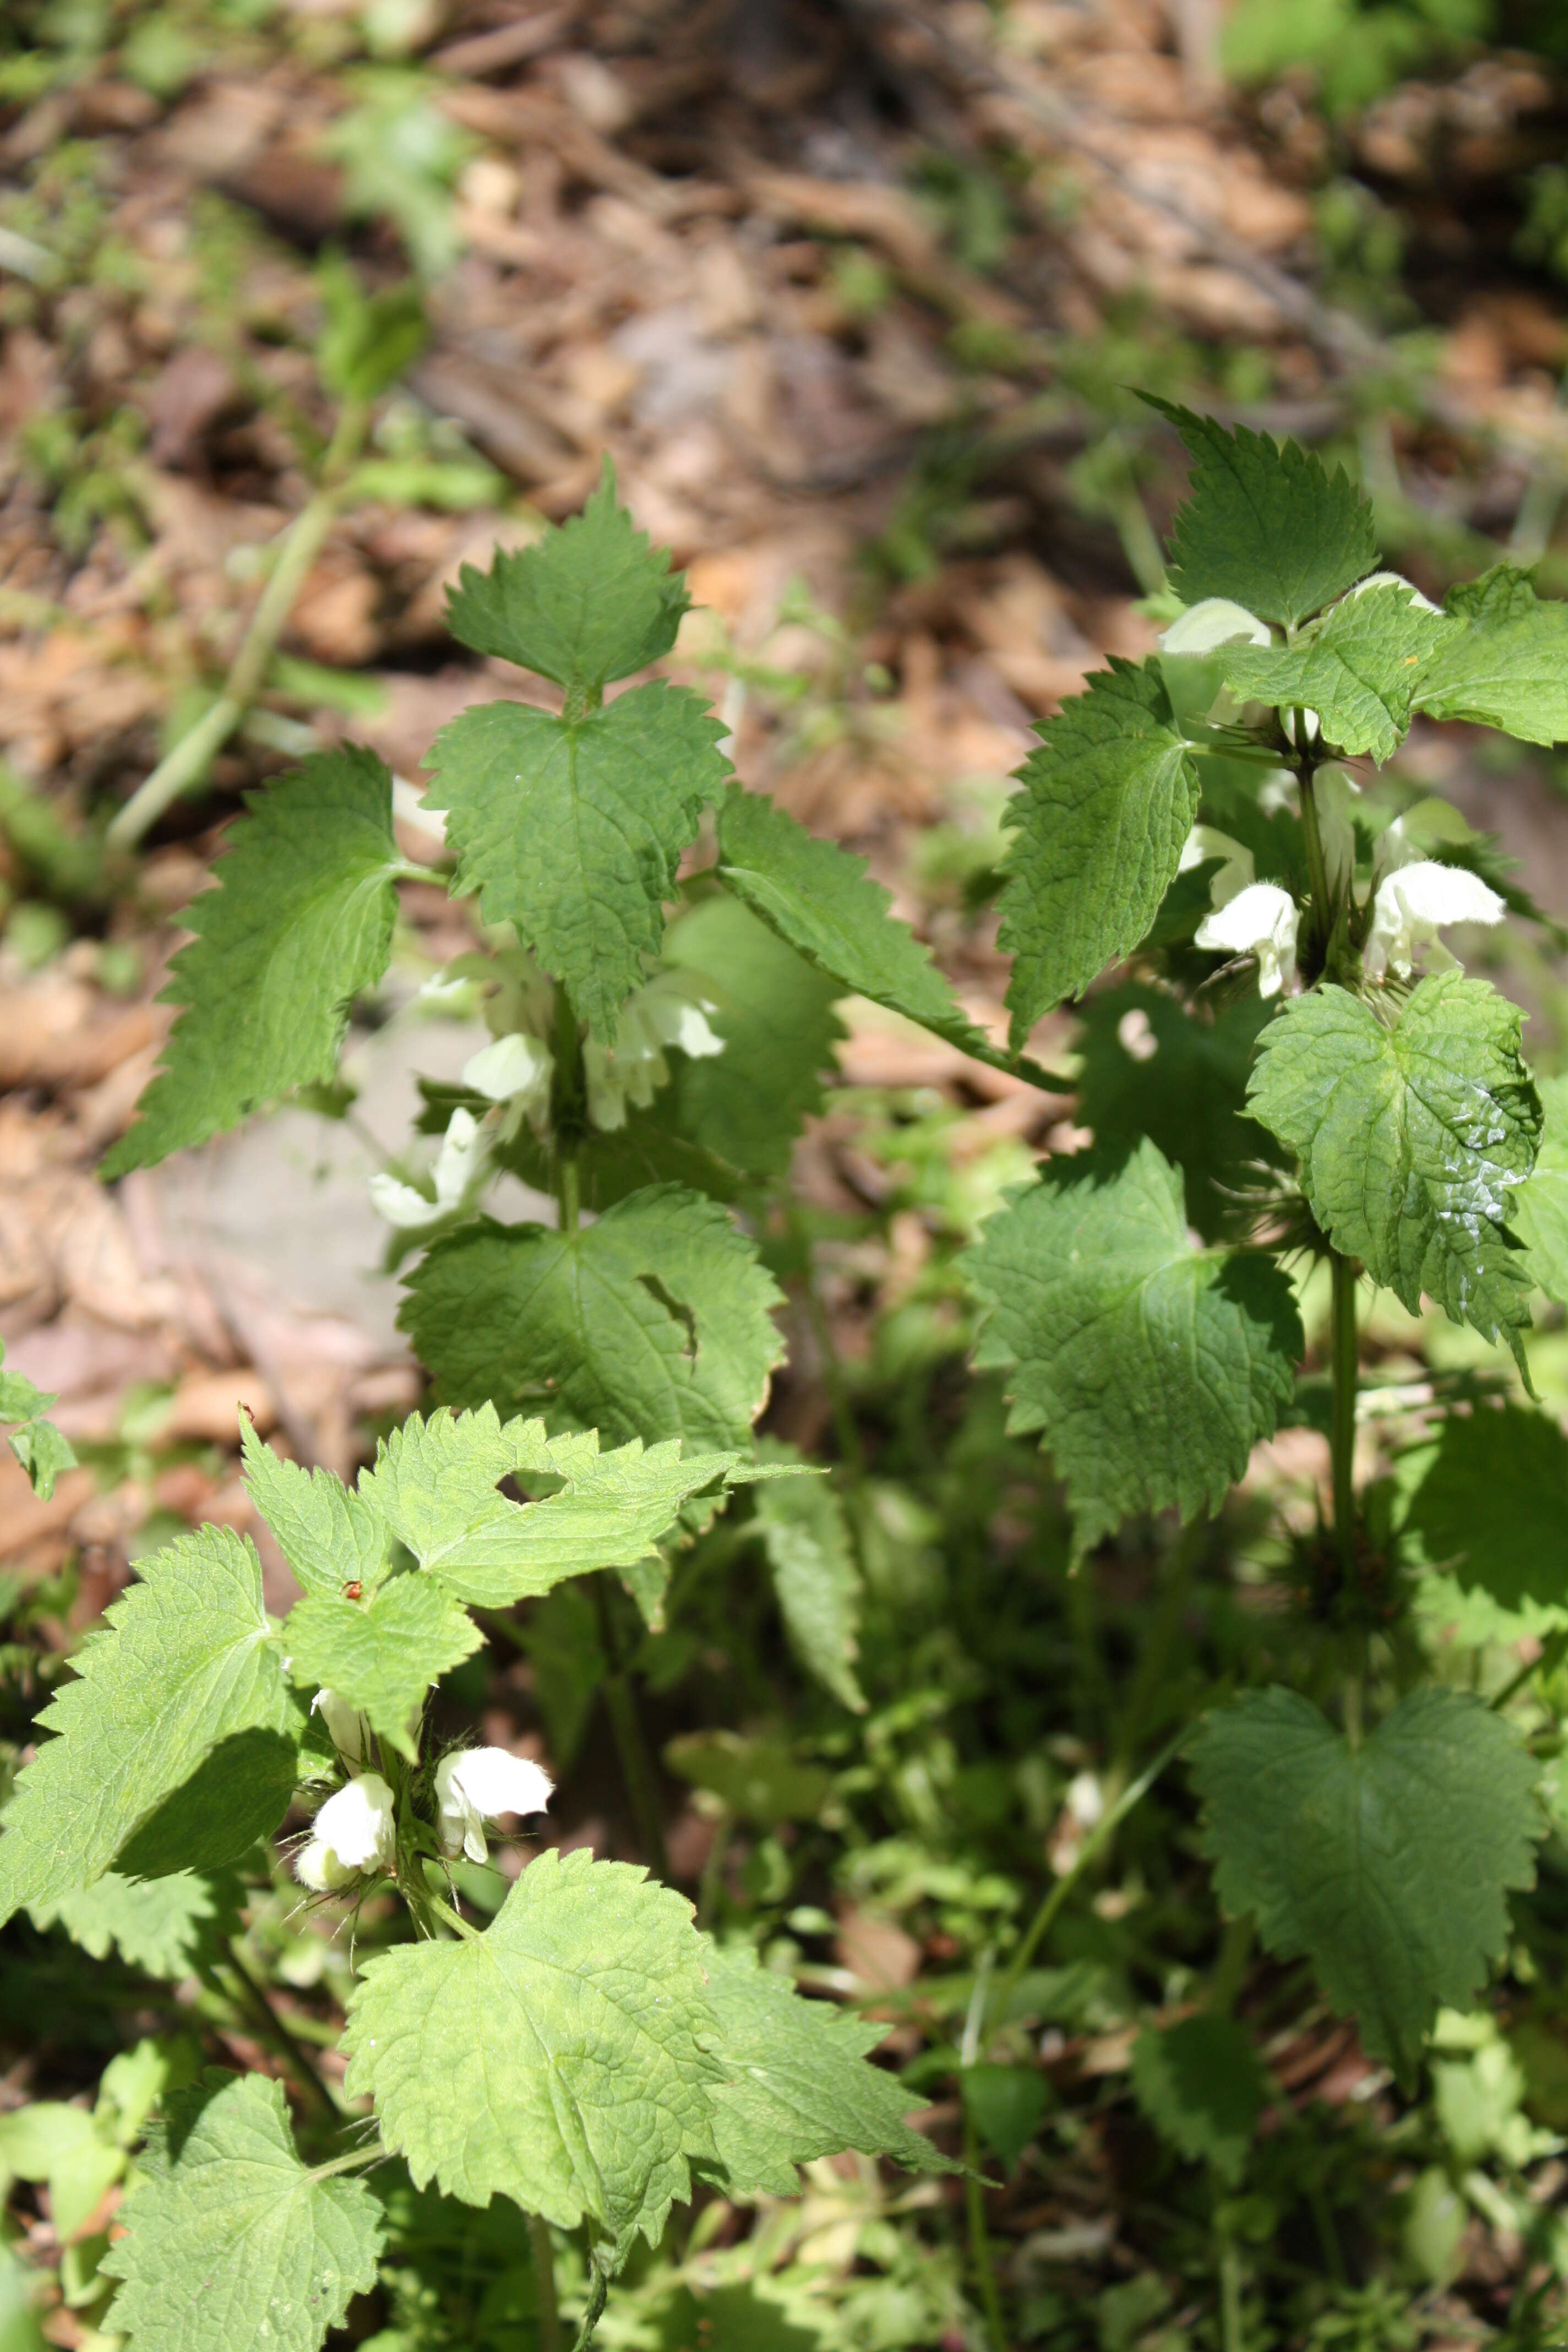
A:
(163, 1925)
(1201, 2086)
(1413, 1136)
(572, 830)
(823, 903)
(656, 1320)
(1509, 668)
(796, 2084)
(1153, 1067)
(44, 1453)
(1266, 525)
(1360, 672)
(1388, 1865)
(1539, 1214)
(775, 1013)
(435, 1483)
(299, 924)
(1519, 1556)
(590, 601)
(178, 1733)
(328, 1535)
(561, 2059)
(381, 1653)
(1152, 1367)
(817, 1580)
(230, 2243)
(1099, 820)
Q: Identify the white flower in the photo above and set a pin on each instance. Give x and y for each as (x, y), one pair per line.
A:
(474, 1784)
(514, 1069)
(348, 1730)
(665, 1013)
(1335, 792)
(1259, 920)
(1213, 622)
(1395, 580)
(1411, 905)
(460, 1170)
(1205, 842)
(355, 1831)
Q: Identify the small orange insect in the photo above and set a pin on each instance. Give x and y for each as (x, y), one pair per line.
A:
(354, 1591)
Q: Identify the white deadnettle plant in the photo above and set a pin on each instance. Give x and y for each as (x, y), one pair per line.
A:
(1136, 1300)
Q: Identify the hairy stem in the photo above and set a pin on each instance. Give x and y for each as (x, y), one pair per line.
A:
(1343, 1362)
(625, 1725)
(301, 544)
(598, 2293)
(569, 1112)
(543, 2258)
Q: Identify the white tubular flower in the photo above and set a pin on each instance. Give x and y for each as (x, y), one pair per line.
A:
(673, 1016)
(1205, 842)
(1336, 792)
(513, 1069)
(459, 1172)
(318, 1867)
(1395, 580)
(1411, 906)
(357, 1826)
(1213, 622)
(474, 1784)
(1260, 921)
(348, 1730)
(665, 1013)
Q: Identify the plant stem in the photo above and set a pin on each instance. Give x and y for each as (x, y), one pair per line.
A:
(636, 1765)
(1344, 1364)
(980, 2241)
(1552, 1651)
(598, 2293)
(569, 1112)
(300, 544)
(270, 2026)
(543, 2258)
(1234, 1951)
(1108, 1823)
(846, 1427)
(355, 2161)
(1230, 2334)
(454, 1919)
(1312, 834)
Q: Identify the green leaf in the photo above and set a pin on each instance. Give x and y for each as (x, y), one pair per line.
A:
(163, 1925)
(328, 1535)
(590, 601)
(656, 1320)
(368, 339)
(817, 1583)
(1006, 2105)
(299, 925)
(1152, 1367)
(229, 2242)
(1101, 817)
(759, 1780)
(1153, 1067)
(1359, 672)
(1201, 2086)
(1519, 1556)
(1267, 526)
(571, 829)
(1509, 666)
(173, 1747)
(796, 2084)
(435, 1483)
(1411, 1138)
(381, 1653)
(1387, 1865)
(43, 1454)
(822, 902)
(560, 2059)
(775, 1015)
(1539, 1209)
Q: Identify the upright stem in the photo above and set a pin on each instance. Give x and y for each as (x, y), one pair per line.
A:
(301, 544)
(543, 2257)
(626, 1726)
(979, 2242)
(1343, 1366)
(1313, 834)
(569, 1112)
(299, 2061)
(598, 2293)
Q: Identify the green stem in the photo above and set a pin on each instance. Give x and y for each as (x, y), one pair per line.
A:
(454, 1919)
(1312, 834)
(598, 2295)
(1230, 1969)
(979, 2242)
(711, 1886)
(543, 2257)
(846, 1427)
(636, 1765)
(1151, 1675)
(569, 1112)
(301, 545)
(270, 2026)
(1040, 1925)
(1345, 1366)
(1552, 1651)
(1230, 2331)
(355, 2161)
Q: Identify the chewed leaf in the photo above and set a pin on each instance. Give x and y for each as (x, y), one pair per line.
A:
(590, 601)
